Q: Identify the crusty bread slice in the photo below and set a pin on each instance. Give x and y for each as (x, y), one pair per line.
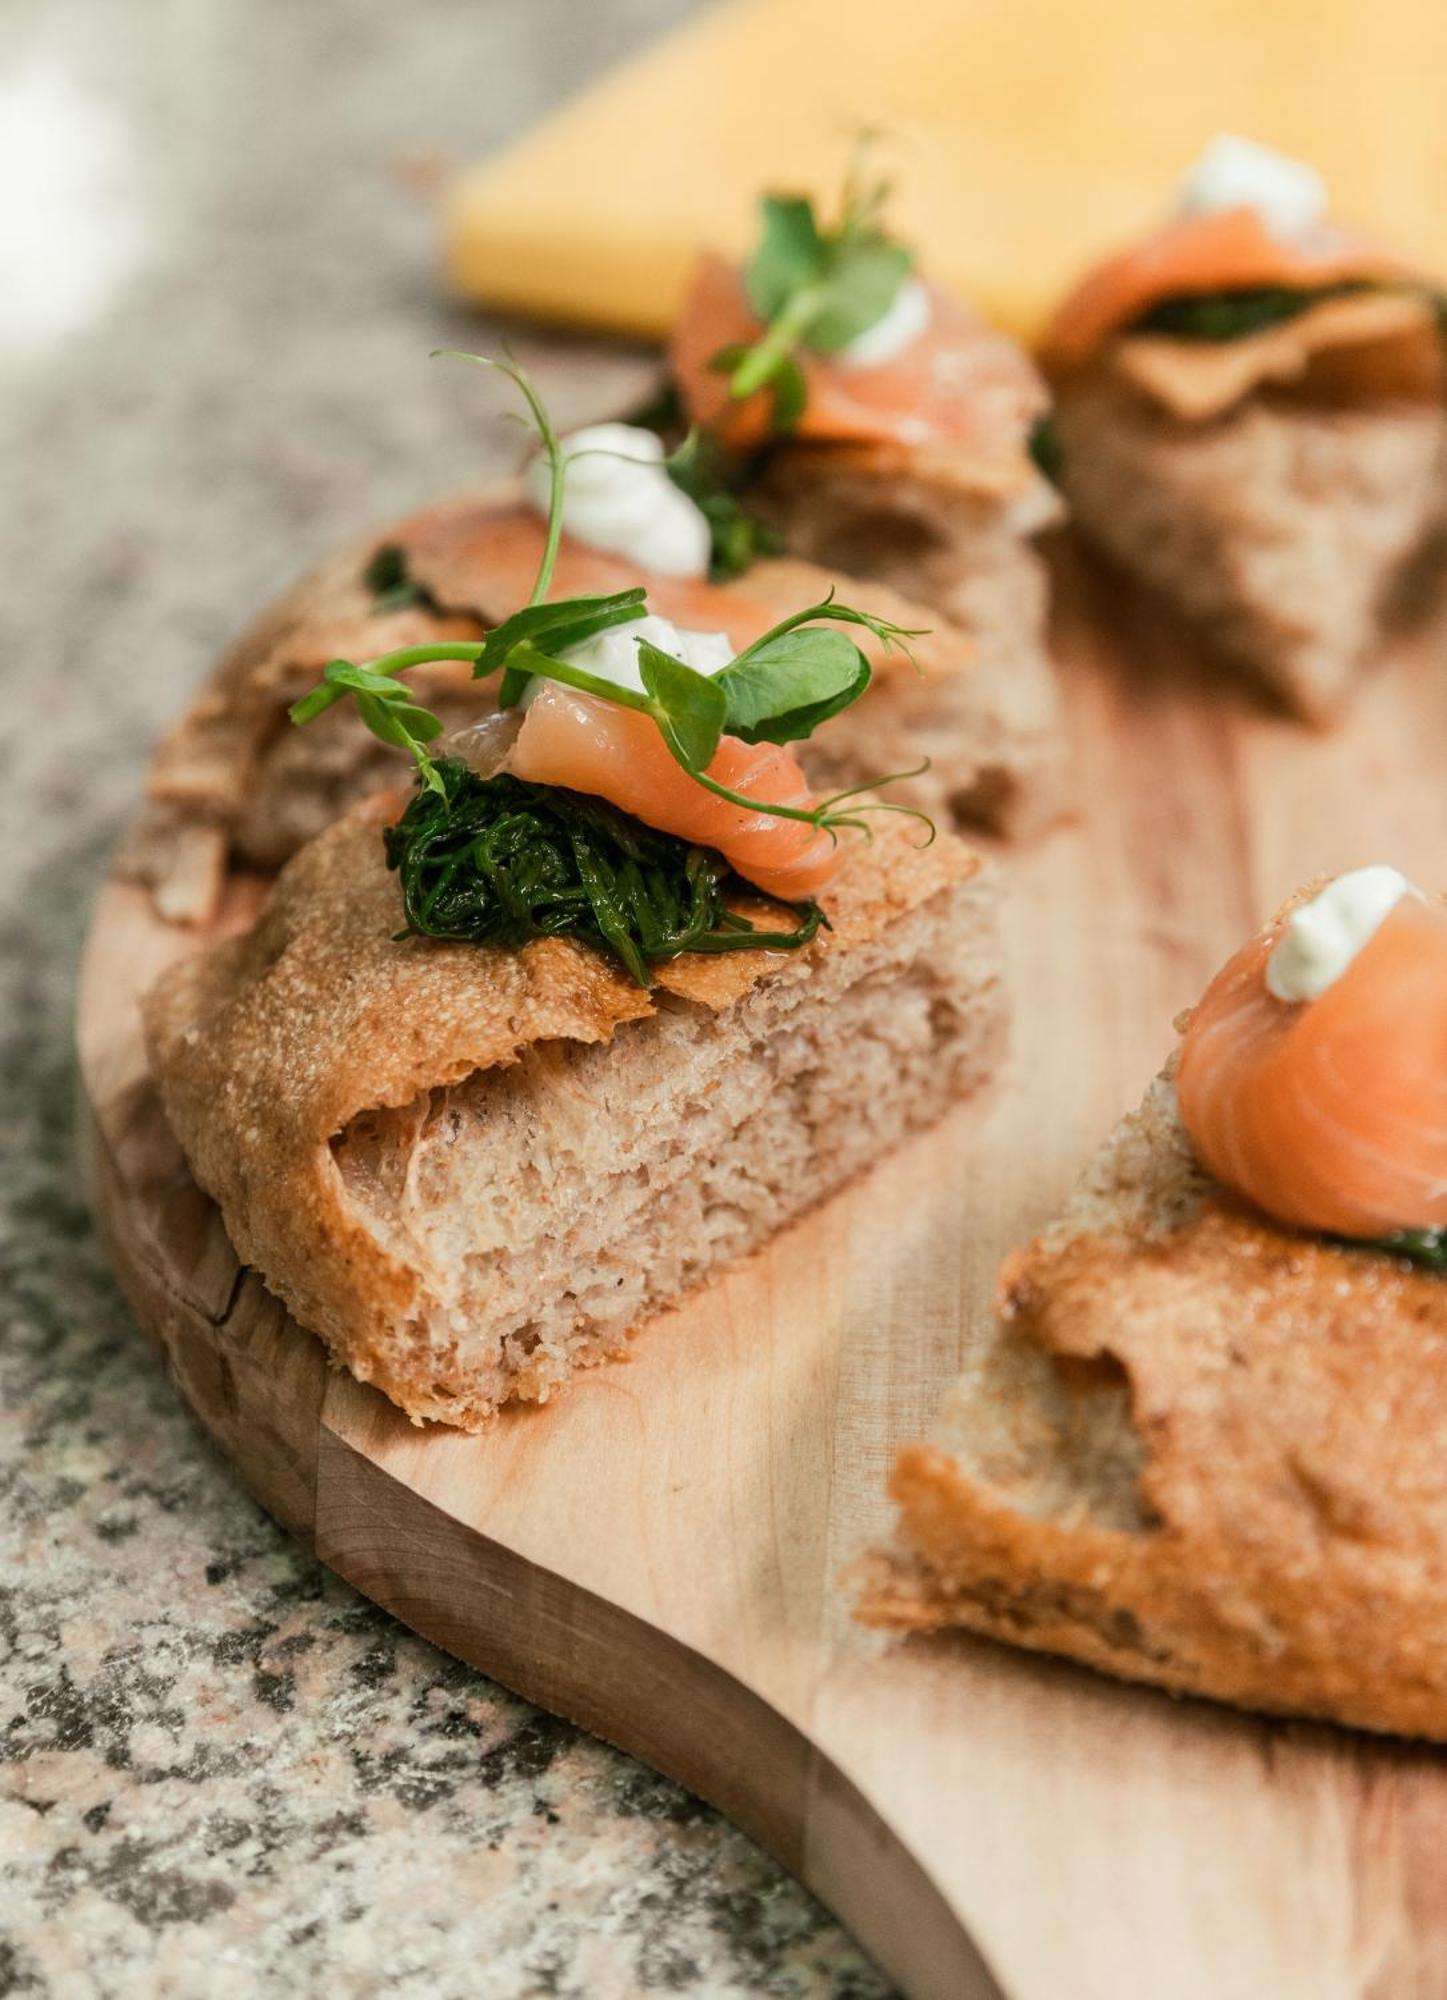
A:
(1196, 1450)
(233, 781)
(474, 1170)
(1297, 537)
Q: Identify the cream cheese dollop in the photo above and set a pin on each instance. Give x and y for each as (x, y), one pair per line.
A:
(618, 497)
(1288, 195)
(613, 655)
(1322, 937)
(908, 315)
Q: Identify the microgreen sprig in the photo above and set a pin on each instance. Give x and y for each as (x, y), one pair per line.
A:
(778, 689)
(814, 287)
(385, 703)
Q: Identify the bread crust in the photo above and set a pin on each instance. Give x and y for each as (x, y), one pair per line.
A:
(1298, 536)
(267, 1047)
(1215, 1463)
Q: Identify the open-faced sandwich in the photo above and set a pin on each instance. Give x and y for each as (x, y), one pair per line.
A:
(1204, 1445)
(508, 1066)
(1250, 416)
(233, 783)
(886, 426)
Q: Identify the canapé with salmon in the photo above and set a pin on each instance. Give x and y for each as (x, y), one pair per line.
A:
(886, 427)
(513, 1062)
(1206, 1443)
(1250, 416)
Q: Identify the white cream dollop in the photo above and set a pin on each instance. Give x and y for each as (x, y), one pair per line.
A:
(908, 315)
(1322, 937)
(613, 655)
(1288, 195)
(618, 497)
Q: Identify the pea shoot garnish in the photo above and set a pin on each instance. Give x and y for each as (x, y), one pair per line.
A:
(814, 287)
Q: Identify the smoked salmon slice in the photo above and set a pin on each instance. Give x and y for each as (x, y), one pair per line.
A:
(590, 745)
(1195, 256)
(960, 382)
(1329, 1114)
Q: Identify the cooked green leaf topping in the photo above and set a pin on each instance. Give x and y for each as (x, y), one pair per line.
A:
(1424, 1247)
(499, 861)
(661, 409)
(814, 287)
(700, 468)
(387, 577)
(1231, 315)
(1045, 448)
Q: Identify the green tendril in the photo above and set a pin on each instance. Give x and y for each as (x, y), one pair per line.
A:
(552, 447)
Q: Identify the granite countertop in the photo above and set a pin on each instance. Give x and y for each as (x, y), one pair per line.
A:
(223, 1773)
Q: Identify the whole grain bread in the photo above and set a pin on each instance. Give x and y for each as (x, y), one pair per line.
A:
(474, 1170)
(1196, 1450)
(235, 783)
(1298, 534)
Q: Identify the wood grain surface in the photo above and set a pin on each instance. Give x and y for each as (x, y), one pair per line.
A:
(661, 1554)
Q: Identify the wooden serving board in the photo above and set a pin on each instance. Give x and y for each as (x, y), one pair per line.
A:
(659, 1553)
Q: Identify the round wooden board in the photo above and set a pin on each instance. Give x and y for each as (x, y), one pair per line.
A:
(659, 1553)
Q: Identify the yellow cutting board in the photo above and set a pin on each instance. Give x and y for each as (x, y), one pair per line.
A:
(1026, 137)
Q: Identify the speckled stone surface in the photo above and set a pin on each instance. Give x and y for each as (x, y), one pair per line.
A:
(222, 1773)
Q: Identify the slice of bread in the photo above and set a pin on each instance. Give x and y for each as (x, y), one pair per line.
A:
(474, 1170)
(1196, 1450)
(235, 782)
(1298, 538)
